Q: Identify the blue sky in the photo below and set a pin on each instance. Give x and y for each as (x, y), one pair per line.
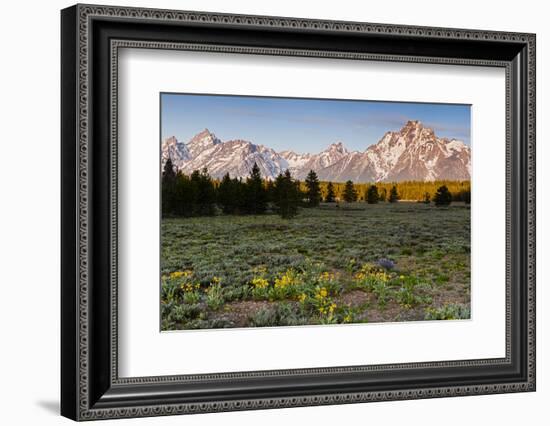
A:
(304, 125)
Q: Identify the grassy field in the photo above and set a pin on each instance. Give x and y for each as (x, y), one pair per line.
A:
(329, 265)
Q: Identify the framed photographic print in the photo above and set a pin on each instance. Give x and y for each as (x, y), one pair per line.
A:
(263, 212)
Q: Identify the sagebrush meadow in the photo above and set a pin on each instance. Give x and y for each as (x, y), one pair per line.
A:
(253, 236)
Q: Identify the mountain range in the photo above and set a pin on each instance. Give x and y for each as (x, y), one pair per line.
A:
(412, 153)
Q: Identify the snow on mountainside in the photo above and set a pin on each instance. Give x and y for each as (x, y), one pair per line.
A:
(201, 142)
(236, 157)
(294, 160)
(176, 151)
(413, 153)
(334, 153)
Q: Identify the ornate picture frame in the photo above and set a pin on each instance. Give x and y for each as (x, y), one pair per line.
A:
(91, 37)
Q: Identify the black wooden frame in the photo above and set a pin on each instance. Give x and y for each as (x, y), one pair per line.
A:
(90, 387)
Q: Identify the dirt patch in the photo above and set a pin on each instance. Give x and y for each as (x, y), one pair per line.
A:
(239, 312)
(393, 312)
(451, 293)
(354, 298)
(367, 305)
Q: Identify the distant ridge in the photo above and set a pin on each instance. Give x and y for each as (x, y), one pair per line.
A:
(412, 153)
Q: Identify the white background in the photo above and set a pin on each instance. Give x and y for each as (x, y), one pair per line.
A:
(29, 229)
(140, 343)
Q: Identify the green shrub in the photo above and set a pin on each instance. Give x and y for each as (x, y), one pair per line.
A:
(450, 311)
(214, 297)
(182, 313)
(408, 296)
(191, 297)
(281, 314)
(380, 289)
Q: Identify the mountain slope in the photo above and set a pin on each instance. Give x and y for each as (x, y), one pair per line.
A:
(236, 157)
(176, 151)
(334, 153)
(413, 153)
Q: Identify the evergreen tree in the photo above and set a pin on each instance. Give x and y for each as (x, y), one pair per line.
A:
(255, 193)
(394, 196)
(330, 198)
(185, 195)
(230, 195)
(168, 173)
(286, 195)
(168, 195)
(240, 195)
(206, 193)
(372, 195)
(313, 191)
(224, 196)
(350, 194)
(442, 196)
(269, 189)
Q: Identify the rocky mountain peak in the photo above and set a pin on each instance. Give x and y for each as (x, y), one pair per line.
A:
(205, 135)
(202, 134)
(337, 147)
(170, 141)
(202, 141)
(415, 133)
(412, 125)
(175, 150)
(412, 153)
(170, 144)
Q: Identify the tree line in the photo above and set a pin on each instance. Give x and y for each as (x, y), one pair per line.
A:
(198, 194)
(408, 190)
(442, 196)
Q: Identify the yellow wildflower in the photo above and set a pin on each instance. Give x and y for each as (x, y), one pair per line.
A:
(322, 293)
(302, 298)
(360, 276)
(326, 276)
(286, 280)
(259, 282)
(176, 274)
(187, 287)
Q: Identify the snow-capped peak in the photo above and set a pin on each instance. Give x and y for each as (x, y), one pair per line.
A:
(175, 150)
(171, 141)
(337, 147)
(202, 141)
(455, 145)
(412, 153)
(412, 124)
(294, 159)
